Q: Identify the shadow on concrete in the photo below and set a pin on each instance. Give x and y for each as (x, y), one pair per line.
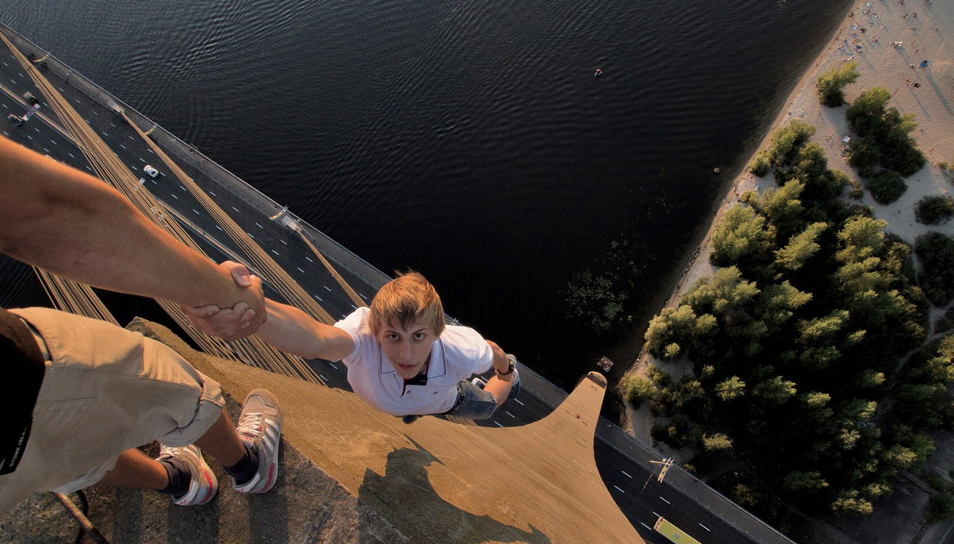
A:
(427, 517)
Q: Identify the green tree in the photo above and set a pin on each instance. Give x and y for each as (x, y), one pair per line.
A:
(761, 164)
(779, 302)
(831, 84)
(936, 253)
(783, 208)
(804, 482)
(775, 390)
(800, 248)
(674, 325)
(851, 503)
(639, 390)
(863, 155)
(865, 115)
(730, 389)
(716, 442)
(787, 140)
(940, 507)
(741, 234)
(886, 133)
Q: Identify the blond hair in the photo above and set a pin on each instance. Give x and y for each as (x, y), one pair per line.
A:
(407, 298)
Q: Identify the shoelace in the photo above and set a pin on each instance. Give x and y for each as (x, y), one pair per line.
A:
(251, 425)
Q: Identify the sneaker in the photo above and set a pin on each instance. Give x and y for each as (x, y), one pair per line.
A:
(260, 427)
(203, 485)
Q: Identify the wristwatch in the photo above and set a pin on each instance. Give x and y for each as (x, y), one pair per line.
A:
(513, 363)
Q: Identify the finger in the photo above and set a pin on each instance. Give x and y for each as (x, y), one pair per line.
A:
(202, 312)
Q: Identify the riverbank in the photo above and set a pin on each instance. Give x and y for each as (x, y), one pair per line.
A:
(867, 36)
(907, 47)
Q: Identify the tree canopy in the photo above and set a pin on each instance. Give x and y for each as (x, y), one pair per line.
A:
(795, 340)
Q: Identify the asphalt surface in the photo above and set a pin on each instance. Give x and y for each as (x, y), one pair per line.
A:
(631, 479)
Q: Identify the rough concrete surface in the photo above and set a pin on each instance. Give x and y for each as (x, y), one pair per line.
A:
(350, 474)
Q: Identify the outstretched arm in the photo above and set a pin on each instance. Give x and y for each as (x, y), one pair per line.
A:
(58, 218)
(287, 329)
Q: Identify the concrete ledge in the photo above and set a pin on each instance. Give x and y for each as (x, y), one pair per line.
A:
(351, 474)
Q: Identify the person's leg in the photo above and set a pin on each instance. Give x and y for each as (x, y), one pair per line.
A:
(180, 473)
(134, 469)
(472, 402)
(222, 442)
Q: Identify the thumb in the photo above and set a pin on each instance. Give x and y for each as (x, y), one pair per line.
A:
(240, 274)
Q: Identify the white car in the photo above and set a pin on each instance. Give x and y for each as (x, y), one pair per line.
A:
(151, 171)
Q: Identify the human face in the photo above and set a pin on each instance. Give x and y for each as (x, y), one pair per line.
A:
(407, 347)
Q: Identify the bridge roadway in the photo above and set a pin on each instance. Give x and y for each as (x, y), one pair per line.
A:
(626, 471)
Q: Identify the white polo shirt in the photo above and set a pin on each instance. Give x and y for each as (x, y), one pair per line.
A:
(458, 354)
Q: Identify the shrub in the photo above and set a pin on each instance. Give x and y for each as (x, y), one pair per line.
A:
(886, 186)
(934, 209)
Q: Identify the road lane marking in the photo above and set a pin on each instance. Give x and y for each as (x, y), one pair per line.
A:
(664, 500)
(627, 475)
(618, 488)
(704, 527)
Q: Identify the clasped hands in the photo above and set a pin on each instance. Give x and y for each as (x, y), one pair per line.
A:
(239, 321)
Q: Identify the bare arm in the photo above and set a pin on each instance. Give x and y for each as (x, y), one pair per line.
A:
(499, 386)
(70, 223)
(287, 329)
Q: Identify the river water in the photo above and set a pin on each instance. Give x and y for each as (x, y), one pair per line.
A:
(468, 140)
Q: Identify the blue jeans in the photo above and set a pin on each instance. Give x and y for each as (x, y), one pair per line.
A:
(475, 403)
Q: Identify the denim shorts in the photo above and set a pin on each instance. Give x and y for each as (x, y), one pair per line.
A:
(475, 403)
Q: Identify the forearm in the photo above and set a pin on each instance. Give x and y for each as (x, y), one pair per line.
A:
(500, 361)
(293, 331)
(499, 385)
(62, 220)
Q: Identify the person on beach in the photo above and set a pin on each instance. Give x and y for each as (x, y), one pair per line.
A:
(401, 357)
(87, 393)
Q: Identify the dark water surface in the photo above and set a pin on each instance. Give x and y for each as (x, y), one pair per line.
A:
(466, 139)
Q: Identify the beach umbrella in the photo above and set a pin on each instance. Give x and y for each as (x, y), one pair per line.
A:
(923, 64)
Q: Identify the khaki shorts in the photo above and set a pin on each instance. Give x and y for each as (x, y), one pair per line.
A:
(105, 390)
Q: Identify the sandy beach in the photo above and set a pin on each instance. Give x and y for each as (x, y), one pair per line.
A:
(926, 32)
(889, 40)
